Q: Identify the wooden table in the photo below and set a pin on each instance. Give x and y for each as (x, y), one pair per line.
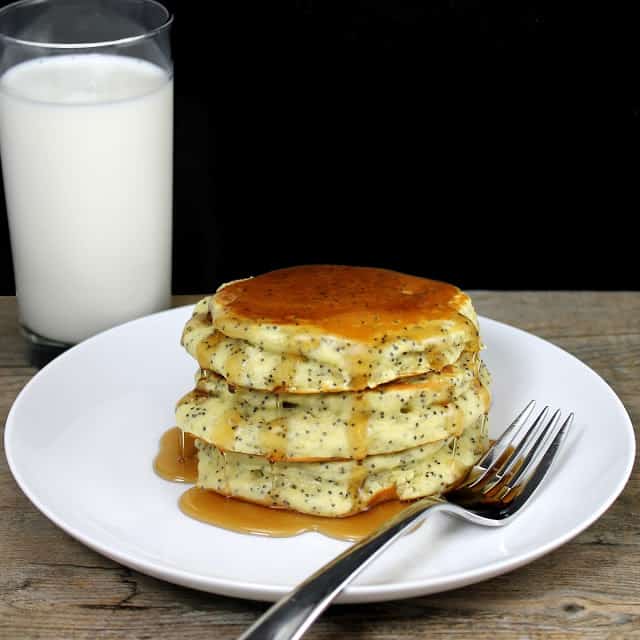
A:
(53, 587)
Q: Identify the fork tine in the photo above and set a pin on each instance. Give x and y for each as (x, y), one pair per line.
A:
(516, 468)
(496, 474)
(505, 440)
(525, 450)
(537, 467)
(502, 444)
(493, 474)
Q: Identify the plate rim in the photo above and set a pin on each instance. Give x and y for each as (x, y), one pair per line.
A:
(352, 593)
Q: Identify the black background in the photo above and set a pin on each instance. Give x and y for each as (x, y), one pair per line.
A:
(488, 144)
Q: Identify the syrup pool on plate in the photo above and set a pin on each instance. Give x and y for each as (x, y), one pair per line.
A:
(176, 461)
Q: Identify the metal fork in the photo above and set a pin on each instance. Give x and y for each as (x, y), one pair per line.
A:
(498, 486)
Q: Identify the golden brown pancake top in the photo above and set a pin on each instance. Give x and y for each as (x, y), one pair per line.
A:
(360, 303)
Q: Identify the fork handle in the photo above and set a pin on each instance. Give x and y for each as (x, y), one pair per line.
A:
(291, 616)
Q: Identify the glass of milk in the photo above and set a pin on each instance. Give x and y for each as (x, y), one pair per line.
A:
(86, 139)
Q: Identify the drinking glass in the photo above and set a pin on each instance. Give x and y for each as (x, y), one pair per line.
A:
(86, 141)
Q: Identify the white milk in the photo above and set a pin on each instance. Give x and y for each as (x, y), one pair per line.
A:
(87, 145)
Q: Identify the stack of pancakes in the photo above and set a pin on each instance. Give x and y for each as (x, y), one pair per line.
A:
(327, 389)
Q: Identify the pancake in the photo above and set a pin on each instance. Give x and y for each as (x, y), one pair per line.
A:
(323, 328)
(341, 488)
(285, 426)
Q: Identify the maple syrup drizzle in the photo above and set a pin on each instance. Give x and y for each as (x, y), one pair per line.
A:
(224, 429)
(234, 365)
(273, 439)
(177, 461)
(361, 303)
(359, 426)
(283, 375)
(247, 517)
(206, 348)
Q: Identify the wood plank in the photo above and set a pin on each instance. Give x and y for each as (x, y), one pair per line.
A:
(551, 314)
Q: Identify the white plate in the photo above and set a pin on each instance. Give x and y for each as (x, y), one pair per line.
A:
(82, 434)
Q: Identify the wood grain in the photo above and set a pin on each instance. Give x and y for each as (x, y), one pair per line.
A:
(53, 587)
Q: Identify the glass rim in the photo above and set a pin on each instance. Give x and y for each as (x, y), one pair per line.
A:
(150, 33)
